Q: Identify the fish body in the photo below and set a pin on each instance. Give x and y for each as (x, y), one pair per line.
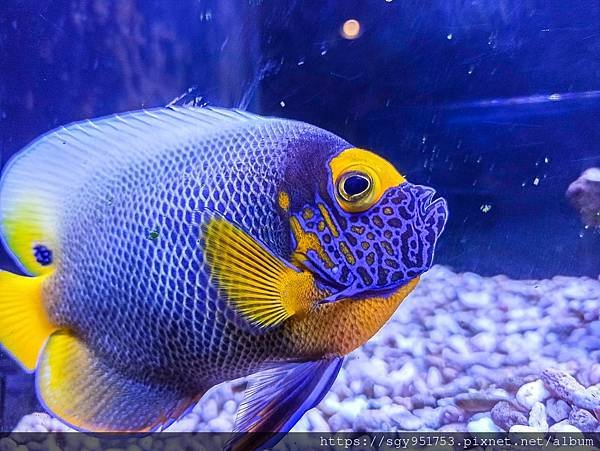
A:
(160, 283)
(177, 248)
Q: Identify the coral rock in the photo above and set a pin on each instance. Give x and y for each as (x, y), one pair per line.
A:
(584, 196)
(583, 420)
(506, 415)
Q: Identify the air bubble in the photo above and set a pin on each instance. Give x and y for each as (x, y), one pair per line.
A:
(206, 16)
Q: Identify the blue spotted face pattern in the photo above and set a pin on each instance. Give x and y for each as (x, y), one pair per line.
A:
(378, 249)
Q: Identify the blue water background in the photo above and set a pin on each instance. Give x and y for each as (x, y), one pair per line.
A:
(408, 87)
(493, 102)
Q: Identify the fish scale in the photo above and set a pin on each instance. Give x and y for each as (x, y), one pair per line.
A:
(180, 291)
(174, 249)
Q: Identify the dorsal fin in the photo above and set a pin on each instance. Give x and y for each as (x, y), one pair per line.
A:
(39, 179)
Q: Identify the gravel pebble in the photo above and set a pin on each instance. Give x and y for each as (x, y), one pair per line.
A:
(531, 393)
(480, 401)
(317, 422)
(484, 424)
(563, 426)
(219, 424)
(350, 408)
(583, 420)
(337, 422)
(557, 409)
(522, 428)
(403, 419)
(506, 415)
(537, 417)
(8, 444)
(372, 420)
(207, 409)
(453, 427)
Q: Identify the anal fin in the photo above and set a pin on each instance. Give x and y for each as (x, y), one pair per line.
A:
(88, 394)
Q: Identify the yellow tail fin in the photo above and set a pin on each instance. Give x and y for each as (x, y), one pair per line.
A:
(24, 324)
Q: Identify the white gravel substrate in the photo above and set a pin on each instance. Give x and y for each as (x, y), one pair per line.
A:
(462, 353)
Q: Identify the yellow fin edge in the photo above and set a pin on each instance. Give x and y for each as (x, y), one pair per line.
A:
(25, 228)
(88, 394)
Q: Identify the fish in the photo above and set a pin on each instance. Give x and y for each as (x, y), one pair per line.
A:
(168, 250)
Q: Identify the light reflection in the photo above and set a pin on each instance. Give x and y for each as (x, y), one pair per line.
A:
(351, 29)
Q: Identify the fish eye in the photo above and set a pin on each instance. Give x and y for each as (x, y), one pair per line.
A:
(354, 186)
(359, 178)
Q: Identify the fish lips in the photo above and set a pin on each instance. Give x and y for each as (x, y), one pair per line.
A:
(436, 214)
(433, 208)
(423, 216)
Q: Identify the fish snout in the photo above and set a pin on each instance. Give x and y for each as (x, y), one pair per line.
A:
(432, 209)
(436, 215)
(422, 216)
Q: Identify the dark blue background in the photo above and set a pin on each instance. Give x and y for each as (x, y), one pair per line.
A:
(415, 87)
(403, 88)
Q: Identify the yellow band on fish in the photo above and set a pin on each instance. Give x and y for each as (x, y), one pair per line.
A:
(380, 172)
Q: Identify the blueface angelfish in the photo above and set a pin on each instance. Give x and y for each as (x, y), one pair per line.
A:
(173, 249)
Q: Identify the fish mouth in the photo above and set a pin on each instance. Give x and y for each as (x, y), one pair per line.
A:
(434, 209)
(427, 213)
(433, 199)
(440, 205)
(429, 198)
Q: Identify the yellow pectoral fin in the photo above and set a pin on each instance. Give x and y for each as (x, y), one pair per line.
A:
(24, 324)
(264, 289)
